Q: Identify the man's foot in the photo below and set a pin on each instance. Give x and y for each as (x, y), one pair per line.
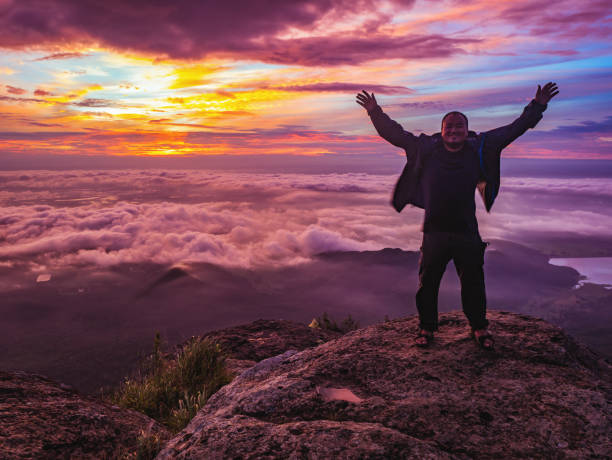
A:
(484, 339)
(424, 338)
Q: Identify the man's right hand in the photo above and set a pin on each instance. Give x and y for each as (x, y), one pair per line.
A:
(366, 100)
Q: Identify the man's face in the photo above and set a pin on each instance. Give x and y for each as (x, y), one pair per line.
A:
(454, 131)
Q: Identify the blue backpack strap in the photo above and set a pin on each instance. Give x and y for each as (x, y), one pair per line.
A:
(493, 193)
(480, 156)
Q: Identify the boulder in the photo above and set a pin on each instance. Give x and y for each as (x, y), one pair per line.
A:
(43, 419)
(372, 393)
(249, 343)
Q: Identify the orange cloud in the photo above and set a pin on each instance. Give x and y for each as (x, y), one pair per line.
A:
(74, 94)
(195, 75)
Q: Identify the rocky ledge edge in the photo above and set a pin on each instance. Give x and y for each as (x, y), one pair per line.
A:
(372, 393)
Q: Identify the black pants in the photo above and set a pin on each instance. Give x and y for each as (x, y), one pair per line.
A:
(467, 253)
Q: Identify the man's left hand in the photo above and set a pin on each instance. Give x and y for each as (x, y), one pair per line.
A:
(543, 95)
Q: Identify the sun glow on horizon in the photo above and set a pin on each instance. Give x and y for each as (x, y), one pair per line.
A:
(431, 58)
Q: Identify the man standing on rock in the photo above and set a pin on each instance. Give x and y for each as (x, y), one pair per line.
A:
(442, 172)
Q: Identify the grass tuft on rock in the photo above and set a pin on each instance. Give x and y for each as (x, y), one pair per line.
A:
(149, 445)
(172, 391)
(326, 322)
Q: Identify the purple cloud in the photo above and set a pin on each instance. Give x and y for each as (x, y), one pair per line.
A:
(601, 128)
(589, 138)
(437, 105)
(341, 50)
(93, 102)
(346, 87)
(187, 29)
(19, 99)
(569, 19)
(559, 52)
(55, 56)
(10, 136)
(43, 125)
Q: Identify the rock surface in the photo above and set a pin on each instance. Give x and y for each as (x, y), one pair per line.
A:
(42, 419)
(249, 343)
(372, 394)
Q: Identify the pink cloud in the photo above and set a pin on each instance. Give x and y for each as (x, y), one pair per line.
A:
(15, 90)
(224, 229)
(315, 240)
(250, 220)
(68, 242)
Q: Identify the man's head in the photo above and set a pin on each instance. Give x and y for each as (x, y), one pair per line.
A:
(454, 130)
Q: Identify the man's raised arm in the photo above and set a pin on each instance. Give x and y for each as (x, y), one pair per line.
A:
(387, 128)
(500, 138)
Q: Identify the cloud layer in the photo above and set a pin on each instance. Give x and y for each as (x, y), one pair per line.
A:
(171, 217)
(107, 218)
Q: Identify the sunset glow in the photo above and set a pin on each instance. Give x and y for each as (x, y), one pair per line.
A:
(191, 78)
(175, 169)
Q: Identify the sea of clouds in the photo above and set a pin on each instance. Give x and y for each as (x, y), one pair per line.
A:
(54, 219)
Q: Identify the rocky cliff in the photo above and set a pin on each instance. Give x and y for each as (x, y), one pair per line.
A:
(369, 393)
(372, 394)
(43, 419)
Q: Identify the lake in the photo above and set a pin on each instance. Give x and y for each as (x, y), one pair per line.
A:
(597, 270)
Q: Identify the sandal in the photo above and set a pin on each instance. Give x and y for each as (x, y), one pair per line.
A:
(428, 336)
(480, 339)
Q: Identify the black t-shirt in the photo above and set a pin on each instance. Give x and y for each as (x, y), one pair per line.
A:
(449, 184)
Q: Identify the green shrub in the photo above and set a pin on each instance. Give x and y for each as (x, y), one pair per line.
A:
(172, 391)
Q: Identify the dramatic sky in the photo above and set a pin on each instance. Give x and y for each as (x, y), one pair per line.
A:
(275, 77)
(138, 135)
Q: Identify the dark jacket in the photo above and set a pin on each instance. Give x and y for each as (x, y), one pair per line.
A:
(487, 146)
